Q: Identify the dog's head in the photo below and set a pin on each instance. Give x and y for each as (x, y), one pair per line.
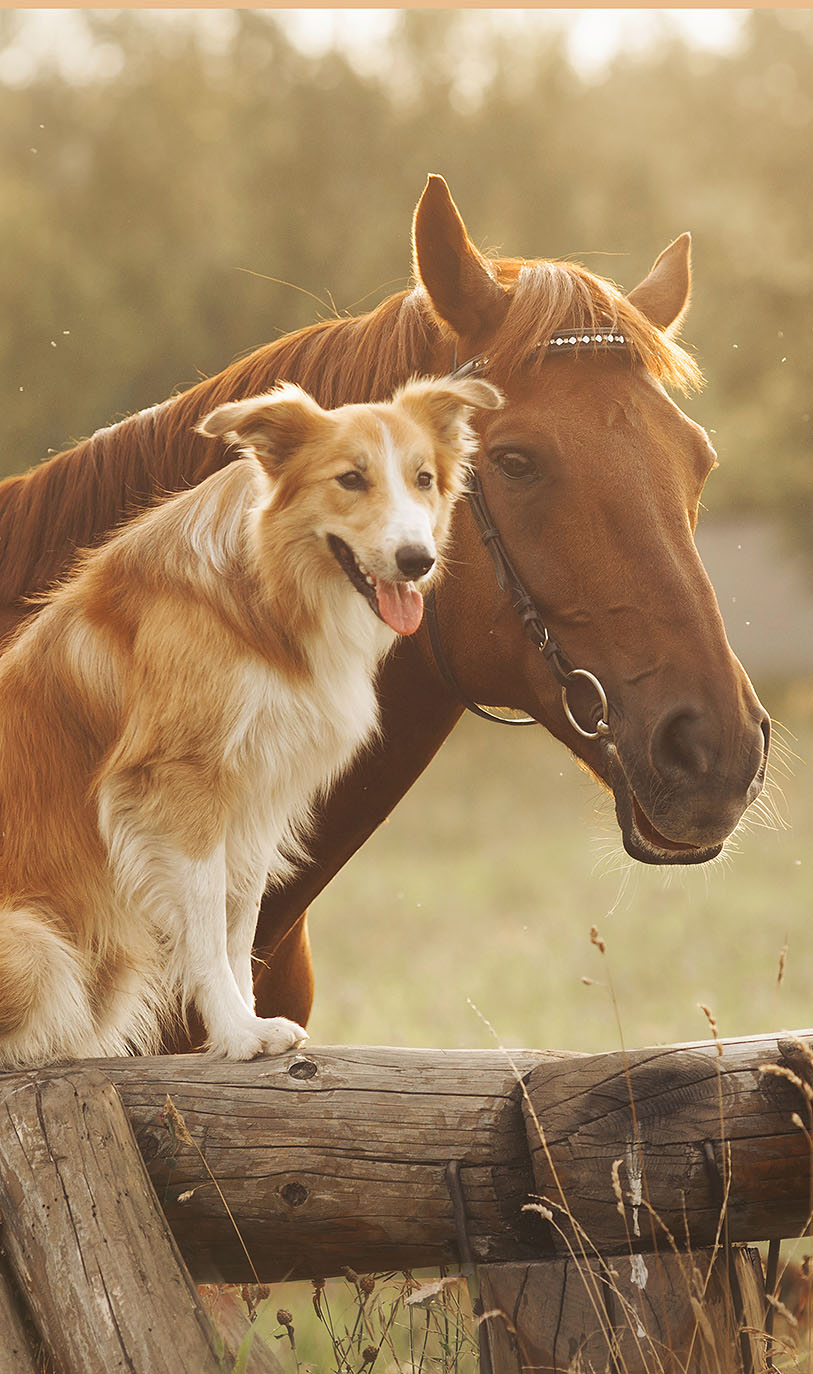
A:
(370, 486)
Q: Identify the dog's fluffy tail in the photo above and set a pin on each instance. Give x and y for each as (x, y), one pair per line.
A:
(45, 1011)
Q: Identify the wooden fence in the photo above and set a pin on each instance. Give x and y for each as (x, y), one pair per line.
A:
(116, 1202)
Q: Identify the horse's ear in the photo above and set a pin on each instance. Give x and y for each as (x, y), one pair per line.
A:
(664, 295)
(457, 279)
(272, 426)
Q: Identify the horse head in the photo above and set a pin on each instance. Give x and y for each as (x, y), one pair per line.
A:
(592, 477)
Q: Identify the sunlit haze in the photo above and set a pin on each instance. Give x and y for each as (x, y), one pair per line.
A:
(593, 36)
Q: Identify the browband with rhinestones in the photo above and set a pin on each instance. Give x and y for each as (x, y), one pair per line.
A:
(567, 340)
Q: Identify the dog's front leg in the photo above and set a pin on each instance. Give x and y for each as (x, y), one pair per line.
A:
(163, 833)
(242, 909)
(208, 979)
(178, 890)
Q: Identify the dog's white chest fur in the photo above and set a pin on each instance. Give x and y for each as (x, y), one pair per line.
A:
(295, 738)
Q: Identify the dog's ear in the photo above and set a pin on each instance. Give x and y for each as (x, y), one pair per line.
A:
(272, 426)
(444, 406)
(444, 403)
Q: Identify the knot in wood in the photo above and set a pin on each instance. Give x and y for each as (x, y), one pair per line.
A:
(294, 1194)
(303, 1068)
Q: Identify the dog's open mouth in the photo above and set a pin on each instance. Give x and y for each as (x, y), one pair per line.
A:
(398, 604)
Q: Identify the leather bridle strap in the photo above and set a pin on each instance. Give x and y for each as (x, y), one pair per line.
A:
(445, 669)
(509, 580)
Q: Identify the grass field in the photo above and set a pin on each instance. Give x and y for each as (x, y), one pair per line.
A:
(483, 885)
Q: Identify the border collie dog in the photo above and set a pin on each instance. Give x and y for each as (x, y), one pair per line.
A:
(169, 716)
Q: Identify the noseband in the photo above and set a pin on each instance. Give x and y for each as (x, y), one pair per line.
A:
(509, 579)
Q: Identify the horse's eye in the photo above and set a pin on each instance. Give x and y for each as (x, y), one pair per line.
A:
(352, 480)
(515, 465)
(424, 480)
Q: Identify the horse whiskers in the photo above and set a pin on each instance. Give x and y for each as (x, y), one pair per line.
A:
(770, 810)
(783, 756)
(610, 858)
(628, 881)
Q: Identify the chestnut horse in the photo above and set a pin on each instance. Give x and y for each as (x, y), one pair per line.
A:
(592, 477)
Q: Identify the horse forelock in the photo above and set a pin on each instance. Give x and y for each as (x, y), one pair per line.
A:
(549, 296)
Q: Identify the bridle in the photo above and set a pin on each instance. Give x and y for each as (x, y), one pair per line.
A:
(510, 580)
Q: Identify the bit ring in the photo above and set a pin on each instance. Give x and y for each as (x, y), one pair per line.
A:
(603, 725)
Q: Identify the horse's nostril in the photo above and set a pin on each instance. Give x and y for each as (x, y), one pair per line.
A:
(414, 560)
(679, 745)
(685, 746)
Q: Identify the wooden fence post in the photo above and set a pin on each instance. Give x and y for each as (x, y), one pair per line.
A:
(86, 1237)
(670, 1312)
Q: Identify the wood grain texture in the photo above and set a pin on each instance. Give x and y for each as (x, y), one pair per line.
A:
(607, 1316)
(689, 1126)
(335, 1156)
(85, 1235)
(16, 1356)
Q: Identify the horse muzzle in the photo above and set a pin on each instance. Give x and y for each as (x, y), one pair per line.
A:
(678, 801)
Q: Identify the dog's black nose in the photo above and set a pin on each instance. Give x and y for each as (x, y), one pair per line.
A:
(413, 560)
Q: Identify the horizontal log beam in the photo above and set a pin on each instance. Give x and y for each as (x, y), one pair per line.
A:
(692, 1126)
(333, 1157)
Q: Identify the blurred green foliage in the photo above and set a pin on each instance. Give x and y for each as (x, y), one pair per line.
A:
(144, 212)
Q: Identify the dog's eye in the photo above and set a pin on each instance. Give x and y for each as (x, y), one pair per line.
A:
(352, 481)
(515, 465)
(424, 480)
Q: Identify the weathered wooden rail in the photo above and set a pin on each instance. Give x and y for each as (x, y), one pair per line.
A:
(380, 1159)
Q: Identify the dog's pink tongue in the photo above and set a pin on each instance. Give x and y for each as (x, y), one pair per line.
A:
(401, 606)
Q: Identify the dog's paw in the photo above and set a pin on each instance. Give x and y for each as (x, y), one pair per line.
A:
(278, 1034)
(261, 1035)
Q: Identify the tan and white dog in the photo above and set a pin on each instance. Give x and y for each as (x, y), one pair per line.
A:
(171, 713)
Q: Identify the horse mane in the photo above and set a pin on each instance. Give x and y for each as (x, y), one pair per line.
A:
(75, 498)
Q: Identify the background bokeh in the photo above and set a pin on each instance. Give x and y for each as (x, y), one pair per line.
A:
(176, 191)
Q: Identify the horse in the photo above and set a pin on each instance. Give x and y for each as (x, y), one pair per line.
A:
(574, 592)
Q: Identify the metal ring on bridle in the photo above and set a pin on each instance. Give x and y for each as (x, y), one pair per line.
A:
(603, 725)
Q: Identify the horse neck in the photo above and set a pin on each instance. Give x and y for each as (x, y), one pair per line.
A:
(357, 359)
(74, 499)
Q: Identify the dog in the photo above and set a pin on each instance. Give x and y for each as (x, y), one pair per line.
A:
(171, 713)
